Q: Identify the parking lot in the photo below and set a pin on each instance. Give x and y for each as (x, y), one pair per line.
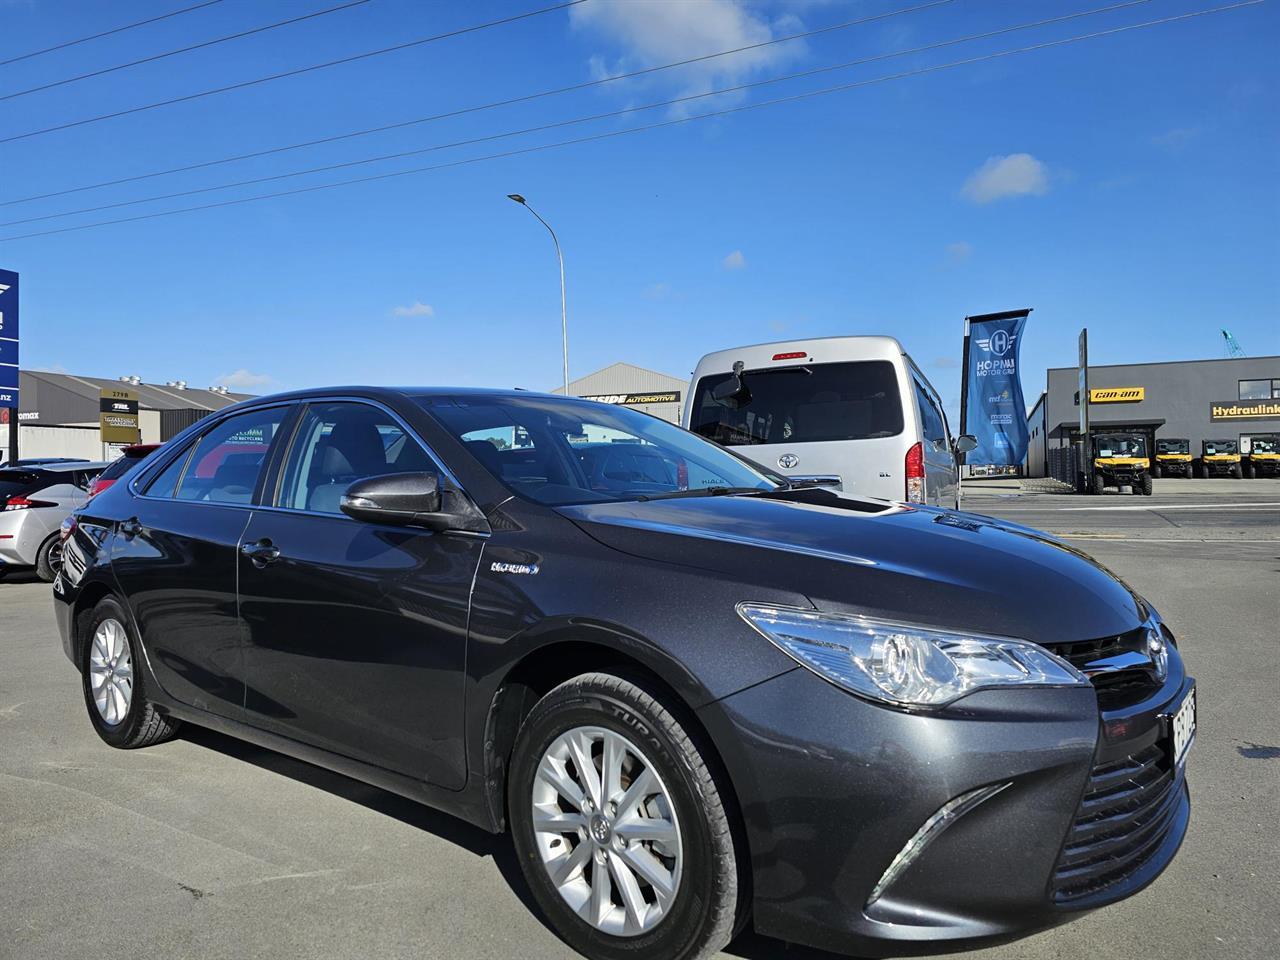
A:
(206, 847)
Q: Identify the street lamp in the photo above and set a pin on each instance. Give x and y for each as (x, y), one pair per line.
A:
(564, 321)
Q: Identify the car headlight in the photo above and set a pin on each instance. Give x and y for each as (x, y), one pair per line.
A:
(903, 664)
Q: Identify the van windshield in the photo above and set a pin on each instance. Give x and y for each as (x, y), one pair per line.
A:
(859, 400)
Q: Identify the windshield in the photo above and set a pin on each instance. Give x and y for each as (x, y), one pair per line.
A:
(563, 452)
(1265, 445)
(1173, 446)
(1113, 446)
(800, 404)
(1219, 447)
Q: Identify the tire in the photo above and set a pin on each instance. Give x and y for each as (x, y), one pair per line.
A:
(1237, 473)
(699, 918)
(1155, 470)
(1145, 487)
(1099, 484)
(49, 558)
(1204, 472)
(1252, 472)
(139, 723)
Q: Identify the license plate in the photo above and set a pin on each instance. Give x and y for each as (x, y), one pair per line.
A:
(1184, 726)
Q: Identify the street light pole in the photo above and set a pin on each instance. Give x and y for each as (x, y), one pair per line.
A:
(564, 319)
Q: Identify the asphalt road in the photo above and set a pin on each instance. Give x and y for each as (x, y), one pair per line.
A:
(208, 848)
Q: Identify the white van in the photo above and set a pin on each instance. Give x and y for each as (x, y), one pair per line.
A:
(854, 413)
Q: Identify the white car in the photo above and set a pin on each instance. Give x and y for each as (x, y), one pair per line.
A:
(854, 413)
(34, 500)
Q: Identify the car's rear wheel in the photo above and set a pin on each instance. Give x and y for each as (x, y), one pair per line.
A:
(114, 691)
(620, 826)
(49, 558)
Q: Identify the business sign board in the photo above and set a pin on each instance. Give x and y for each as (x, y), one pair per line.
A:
(995, 413)
(1117, 394)
(1245, 410)
(635, 399)
(8, 339)
(118, 415)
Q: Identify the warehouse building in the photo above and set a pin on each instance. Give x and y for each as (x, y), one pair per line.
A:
(658, 394)
(58, 412)
(1197, 400)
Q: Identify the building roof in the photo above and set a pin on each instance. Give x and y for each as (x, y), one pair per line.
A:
(602, 380)
(151, 396)
(1170, 363)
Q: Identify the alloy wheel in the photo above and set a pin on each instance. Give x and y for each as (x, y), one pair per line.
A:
(607, 831)
(111, 671)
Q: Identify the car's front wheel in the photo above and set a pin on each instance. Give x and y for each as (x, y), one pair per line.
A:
(114, 692)
(619, 825)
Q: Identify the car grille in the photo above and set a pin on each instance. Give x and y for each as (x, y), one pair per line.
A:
(1127, 810)
(1117, 687)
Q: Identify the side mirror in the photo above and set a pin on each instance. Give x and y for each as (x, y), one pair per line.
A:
(966, 442)
(404, 499)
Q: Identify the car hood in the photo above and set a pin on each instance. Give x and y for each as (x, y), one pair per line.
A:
(921, 565)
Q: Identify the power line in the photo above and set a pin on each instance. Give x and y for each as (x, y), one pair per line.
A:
(484, 106)
(920, 71)
(293, 73)
(194, 46)
(107, 33)
(577, 120)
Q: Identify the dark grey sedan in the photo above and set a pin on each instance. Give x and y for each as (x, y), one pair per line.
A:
(697, 698)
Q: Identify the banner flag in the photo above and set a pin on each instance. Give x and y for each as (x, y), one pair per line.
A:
(994, 410)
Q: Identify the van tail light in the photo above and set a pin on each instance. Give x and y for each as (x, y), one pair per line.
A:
(794, 355)
(22, 503)
(915, 473)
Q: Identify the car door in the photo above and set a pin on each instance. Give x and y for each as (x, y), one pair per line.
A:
(939, 457)
(174, 557)
(355, 632)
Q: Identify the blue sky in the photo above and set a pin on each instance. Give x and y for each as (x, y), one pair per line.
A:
(1128, 183)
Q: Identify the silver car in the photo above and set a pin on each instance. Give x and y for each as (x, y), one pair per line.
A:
(34, 500)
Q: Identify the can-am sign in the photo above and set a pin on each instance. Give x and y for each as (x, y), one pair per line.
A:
(1237, 410)
(1117, 394)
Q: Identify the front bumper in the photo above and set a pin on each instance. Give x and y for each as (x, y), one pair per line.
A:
(832, 788)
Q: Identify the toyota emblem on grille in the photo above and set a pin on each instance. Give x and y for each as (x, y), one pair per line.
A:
(788, 460)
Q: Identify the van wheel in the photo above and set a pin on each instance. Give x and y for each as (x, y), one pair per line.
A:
(111, 675)
(49, 558)
(620, 827)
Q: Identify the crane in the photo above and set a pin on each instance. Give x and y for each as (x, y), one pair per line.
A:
(1233, 345)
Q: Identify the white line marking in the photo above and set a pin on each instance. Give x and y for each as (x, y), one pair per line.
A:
(1072, 536)
(1166, 506)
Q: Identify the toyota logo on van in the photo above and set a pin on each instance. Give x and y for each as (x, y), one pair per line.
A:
(788, 461)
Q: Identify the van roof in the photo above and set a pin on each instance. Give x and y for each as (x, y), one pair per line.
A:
(819, 349)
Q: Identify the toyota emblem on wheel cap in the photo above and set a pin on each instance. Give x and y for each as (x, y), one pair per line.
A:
(788, 460)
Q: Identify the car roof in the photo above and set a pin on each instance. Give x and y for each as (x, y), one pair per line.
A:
(384, 393)
(827, 350)
(71, 467)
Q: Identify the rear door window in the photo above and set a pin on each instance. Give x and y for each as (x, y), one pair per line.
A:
(227, 460)
(931, 423)
(817, 402)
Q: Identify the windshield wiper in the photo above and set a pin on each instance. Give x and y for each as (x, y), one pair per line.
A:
(703, 492)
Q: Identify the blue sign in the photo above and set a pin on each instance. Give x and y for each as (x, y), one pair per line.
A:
(8, 339)
(994, 410)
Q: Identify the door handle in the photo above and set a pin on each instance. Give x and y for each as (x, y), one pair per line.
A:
(261, 553)
(130, 528)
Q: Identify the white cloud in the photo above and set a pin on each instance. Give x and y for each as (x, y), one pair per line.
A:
(1016, 175)
(1177, 138)
(646, 33)
(958, 252)
(734, 261)
(242, 379)
(416, 309)
(946, 363)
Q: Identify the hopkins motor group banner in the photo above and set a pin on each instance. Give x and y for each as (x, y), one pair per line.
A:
(994, 409)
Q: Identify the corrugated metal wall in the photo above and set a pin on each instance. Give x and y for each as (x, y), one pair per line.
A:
(173, 422)
(624, 378)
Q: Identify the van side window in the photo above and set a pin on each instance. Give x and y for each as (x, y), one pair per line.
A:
(931, 422)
